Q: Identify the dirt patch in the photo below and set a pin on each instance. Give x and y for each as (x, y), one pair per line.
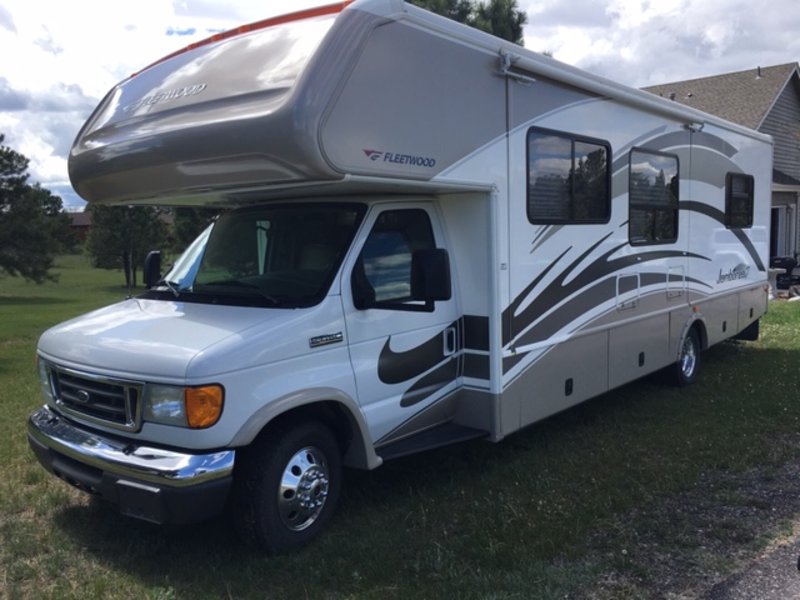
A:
(681, 546)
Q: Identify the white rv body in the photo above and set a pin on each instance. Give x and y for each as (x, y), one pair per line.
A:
(409, 118)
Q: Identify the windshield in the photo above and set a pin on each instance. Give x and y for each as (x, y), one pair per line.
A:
(284, 256)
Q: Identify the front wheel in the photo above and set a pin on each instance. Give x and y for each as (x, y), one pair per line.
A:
(287, 487)
(685, 370)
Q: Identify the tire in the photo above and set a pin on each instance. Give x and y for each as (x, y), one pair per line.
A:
(685, 370)
(287, 486)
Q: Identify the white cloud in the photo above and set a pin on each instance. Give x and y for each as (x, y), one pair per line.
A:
(64, 56)
(648, 42)
(7, 20)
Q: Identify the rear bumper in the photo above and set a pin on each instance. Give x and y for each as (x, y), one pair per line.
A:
(154, 484)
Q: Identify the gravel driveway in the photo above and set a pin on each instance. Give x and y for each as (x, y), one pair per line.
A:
(734, 535)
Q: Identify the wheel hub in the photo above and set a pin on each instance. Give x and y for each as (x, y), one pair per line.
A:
(304, 489)
(688, 357)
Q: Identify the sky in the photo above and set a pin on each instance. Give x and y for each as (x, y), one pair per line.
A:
(59, 58)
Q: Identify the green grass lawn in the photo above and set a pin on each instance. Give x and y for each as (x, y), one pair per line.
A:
(508, 520)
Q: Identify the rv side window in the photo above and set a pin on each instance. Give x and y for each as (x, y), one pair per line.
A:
(652, 198)
(382, 274)
(568, 178)
(738, 201)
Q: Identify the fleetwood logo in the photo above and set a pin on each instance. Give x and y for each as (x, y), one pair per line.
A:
(740, 271)
(400, 159)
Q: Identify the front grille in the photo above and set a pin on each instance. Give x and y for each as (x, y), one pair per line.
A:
(112, 402)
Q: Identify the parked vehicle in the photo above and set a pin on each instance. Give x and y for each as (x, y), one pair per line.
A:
(786, 279)
(430, 235)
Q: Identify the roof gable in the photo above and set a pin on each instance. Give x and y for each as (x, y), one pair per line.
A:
(744, 97)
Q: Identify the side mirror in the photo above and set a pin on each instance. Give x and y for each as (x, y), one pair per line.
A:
(363, 292)
(152, 268)
(430, 275)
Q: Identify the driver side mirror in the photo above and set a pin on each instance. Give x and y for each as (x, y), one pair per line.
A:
(430, 275)
(152, 268)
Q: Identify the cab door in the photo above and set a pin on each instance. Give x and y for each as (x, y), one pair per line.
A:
(404, 350)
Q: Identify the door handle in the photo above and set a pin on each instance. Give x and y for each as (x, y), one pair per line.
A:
(449, 341)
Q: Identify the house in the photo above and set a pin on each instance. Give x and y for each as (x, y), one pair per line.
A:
(80, 222)
(766, 99)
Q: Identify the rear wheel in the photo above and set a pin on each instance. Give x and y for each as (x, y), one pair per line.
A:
(685, 370)
(287, 486)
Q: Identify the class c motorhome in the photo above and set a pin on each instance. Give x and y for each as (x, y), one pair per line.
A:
(429, 235)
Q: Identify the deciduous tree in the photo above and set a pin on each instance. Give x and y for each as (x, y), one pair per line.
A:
(498, 17)
(501, 18)
(189, 222)
(121, 236)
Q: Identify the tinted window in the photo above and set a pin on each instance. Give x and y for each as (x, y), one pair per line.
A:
(283, 255)
(653, 198)
(382, 274)
(738, 201)
(568, 179)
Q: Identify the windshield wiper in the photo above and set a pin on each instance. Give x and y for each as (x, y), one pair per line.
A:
(245, 284)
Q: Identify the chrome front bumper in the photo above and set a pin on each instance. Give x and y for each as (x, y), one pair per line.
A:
(150, 483)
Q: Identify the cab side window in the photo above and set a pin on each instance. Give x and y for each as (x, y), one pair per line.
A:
(382, 274)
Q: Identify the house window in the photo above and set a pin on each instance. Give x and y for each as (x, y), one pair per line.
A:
(738, 201)
(569, 178)
(652, 198)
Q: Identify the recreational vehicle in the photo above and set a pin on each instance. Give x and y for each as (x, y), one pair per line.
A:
(428, 235)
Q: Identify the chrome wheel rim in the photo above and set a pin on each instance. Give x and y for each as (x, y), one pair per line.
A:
(303, 489)
(688, 357)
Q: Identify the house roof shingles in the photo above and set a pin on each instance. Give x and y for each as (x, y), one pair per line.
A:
(743, 97)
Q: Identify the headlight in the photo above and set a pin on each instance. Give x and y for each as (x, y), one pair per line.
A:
(164, 404)
(44, 379)
(195, 407)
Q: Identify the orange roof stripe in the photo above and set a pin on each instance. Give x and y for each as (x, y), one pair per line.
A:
(328, 9)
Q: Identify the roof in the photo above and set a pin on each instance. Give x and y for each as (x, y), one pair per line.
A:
(81, 219)
(782, 178)
(744, 97)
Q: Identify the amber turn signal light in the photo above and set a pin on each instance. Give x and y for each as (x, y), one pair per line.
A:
(203, 405)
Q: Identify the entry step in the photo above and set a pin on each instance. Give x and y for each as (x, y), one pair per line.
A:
(441, 435)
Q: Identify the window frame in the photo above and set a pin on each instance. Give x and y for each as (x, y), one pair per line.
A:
(406, 303)
(677, 196)
(573, 138)
(233, 296)
(728, 199)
